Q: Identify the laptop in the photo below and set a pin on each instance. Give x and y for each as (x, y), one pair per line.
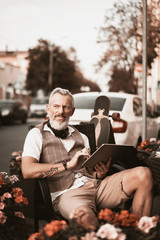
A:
(124, 155)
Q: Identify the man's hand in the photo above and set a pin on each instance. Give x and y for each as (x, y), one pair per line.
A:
(78, 158)
(102, 169)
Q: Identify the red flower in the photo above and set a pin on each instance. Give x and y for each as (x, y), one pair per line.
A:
(2, 182)
(53, 227)
(36, 236)
(25, 201)
(124, 218)
(106, 214)
(18, 195)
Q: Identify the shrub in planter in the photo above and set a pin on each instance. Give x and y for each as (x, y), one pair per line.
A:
(12, 201)
(112, 226)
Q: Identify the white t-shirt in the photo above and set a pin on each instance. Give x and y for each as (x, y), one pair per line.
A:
(33, 146)
(33, 142)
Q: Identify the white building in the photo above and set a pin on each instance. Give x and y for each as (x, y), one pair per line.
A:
(13, 70)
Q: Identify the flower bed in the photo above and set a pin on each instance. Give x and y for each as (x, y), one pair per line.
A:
(15, 163)
(12, 220)
(27, 185)
(113, 226)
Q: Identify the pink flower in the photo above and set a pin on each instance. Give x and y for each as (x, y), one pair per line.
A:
(2, 205)
(2, 217)
(3, 174)
(19, 214)
(110, 232)
(13, 179)
(14, 153)
(17, 153)
(146, 223)
(18, 158)
(6, 195)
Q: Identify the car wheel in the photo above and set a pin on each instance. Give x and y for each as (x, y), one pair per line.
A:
(9, 120)
(139, 141)
(24, 119)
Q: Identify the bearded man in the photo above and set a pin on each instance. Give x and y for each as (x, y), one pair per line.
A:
(52, 150)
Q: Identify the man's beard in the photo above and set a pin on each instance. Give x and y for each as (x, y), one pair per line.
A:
(58, 125)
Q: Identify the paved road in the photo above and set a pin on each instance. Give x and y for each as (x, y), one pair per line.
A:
(11, 139)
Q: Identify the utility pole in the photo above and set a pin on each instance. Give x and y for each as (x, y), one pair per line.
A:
(50, 75)
(144, 73)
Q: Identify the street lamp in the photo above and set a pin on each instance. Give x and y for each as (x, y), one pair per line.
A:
(144, 72)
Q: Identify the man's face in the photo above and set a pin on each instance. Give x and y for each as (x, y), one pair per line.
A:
(59, 110)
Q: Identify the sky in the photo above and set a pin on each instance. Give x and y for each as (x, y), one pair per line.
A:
(67, 23)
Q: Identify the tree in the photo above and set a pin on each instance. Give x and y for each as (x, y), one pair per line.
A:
(122, 35)
(65, 72)
(153, 32)
(121, 81)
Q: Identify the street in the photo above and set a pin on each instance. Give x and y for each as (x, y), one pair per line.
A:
(11, 139)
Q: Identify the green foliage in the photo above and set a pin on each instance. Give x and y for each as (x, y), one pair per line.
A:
(122, 36)
(122, 80)
(12, 221)
(64, 71)
(38, 67)
(153, 32)
(118, 35)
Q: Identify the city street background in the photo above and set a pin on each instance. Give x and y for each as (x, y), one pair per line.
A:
(12, 139)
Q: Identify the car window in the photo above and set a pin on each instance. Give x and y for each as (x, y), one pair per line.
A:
(84, 102)
(117, 103)
(87, 102)
(137, 106)
(150, 112)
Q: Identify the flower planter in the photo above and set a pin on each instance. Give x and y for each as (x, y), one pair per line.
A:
(27, 185)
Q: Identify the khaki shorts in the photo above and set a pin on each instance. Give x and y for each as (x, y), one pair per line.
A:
(95, 194)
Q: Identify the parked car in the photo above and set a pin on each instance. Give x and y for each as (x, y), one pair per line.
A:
(38, 107)
(128, 130)
(13, 110)
(157, 110)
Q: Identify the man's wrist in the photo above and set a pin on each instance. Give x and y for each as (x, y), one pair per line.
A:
(65, 165)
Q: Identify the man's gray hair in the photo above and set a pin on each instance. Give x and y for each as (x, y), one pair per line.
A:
(61, 91)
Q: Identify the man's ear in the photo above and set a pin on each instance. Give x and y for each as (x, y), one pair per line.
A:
(72, 111)
(47, 108)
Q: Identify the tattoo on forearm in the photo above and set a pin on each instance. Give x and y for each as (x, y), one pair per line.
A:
(50, 172)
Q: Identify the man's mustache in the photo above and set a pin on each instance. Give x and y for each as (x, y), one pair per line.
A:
(60, 115)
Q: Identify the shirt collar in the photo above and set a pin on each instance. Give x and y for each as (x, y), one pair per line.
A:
(46, 128)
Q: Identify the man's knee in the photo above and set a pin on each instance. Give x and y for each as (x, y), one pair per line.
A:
(79, 211)
(144, 176)
(85, 216)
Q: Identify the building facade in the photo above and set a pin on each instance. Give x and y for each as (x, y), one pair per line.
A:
(13, 71)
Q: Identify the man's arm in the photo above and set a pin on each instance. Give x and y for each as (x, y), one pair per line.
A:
(31, 168)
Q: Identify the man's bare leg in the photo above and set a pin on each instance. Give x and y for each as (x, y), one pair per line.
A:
(85, 217)
(140, 181)
(136, 180)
